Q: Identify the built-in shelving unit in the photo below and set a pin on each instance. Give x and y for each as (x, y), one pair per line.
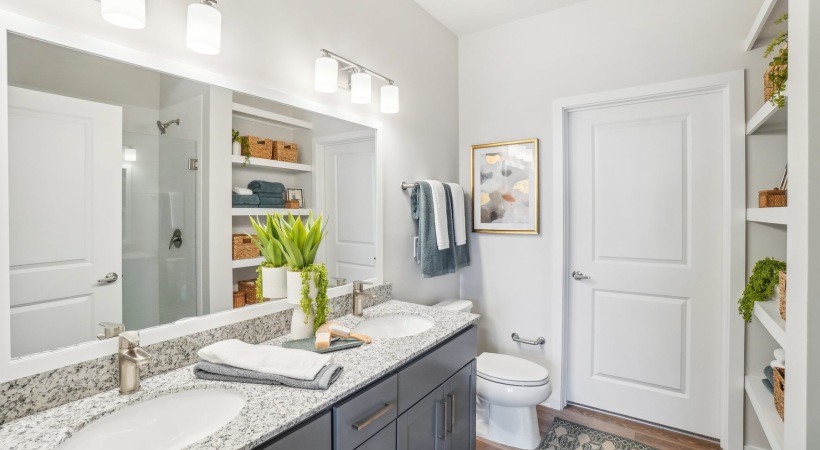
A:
(270, 164)
(768, 117)
(769, 11)
(763, 405)
(263, 211)
(266, 117)
(779, 216)
(251, 262)
(768, 313)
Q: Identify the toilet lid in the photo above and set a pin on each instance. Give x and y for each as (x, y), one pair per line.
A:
(506, 369)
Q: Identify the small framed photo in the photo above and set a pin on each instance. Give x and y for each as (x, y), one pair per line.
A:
(505, 187)
(295, 194)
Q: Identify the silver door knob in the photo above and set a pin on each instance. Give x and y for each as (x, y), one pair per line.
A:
(109, 278)
(578, 275)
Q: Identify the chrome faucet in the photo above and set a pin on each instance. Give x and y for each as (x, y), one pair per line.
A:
(132, 357)
(358, 295)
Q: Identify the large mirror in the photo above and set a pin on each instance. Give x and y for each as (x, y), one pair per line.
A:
(110, 202)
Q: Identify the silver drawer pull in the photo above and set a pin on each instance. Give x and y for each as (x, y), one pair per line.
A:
(452, 399)
(359, 426)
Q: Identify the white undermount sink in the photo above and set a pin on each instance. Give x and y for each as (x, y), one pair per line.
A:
(171, 421)
(394, 326)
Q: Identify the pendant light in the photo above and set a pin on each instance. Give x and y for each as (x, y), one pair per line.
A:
(204, 27)
(390, 99)
(327, 74)
(360, 88)
(124, 13)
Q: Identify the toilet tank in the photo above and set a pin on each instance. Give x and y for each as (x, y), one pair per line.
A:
(456, 304)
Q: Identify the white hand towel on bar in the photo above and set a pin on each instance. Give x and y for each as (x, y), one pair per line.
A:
(243, 191)
(459, 221)
(440, 214)
(291, 363)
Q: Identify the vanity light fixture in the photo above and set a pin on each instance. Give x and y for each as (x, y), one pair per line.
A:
(327, 80)
(204, 27)
(124, 13)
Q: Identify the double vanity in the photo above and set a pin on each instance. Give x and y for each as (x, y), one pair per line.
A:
(412, 388)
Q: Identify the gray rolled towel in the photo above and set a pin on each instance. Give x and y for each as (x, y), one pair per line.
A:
(271, 187)
(221, 372)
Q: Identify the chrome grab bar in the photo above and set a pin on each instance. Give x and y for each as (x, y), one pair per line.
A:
(539, 341)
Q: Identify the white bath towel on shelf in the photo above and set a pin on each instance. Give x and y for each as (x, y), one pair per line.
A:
(459, 222)
(243, 191)
(440, 214)
(291, 363)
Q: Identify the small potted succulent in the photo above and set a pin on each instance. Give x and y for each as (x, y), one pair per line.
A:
(272, 279)
(765, 277)
(236, 146)
(307, 282)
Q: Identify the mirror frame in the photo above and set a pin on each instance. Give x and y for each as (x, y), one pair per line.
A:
(12, 369)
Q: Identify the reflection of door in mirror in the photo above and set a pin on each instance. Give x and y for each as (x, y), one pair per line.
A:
(350, 204)
(65, 229)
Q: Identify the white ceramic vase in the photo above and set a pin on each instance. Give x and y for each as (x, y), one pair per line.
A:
(298, 328)
(236, 148)
(274, 282)
(294, 293)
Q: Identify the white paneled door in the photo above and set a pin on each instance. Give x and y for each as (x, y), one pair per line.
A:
(65, 224)
(645, 247)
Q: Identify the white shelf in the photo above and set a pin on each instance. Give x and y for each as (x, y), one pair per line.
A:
(252, 262)
(764, 20)
(270, 164)
(768, 313)
(779, 215)
(263, 211)
(763, 404)
(769, 115)
(249, 112)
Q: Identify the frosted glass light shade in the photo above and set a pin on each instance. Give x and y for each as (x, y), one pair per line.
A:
(204, 29)
(360, 88)
(124, 13)
(129, 154)
(390, 99)
(327, 75)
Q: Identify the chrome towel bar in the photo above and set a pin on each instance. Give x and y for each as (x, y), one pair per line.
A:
(539, 341)
(405, 185)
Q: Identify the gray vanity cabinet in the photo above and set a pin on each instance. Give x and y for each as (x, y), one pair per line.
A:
(313, 435)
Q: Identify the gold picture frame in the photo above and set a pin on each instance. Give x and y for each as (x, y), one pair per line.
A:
(504, 187)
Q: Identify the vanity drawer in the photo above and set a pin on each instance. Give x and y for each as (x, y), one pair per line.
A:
(358, 418)
(316, 434)
(383, 440)
(434, 368)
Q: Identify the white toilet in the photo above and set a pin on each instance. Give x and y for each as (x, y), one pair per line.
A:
(508, 390)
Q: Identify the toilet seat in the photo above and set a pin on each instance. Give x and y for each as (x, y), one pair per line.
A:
(510, 370)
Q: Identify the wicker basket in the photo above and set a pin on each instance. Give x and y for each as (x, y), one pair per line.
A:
(768, 87)
(243, 247)
(772, 198)
(248, 287)
(782, 298)
(285, 151)
(257, 147)
(238, 299)
(779, 376)
(291, 204)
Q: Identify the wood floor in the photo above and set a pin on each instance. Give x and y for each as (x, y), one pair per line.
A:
(658, 437)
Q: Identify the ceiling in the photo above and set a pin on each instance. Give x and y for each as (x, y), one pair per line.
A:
(468, 16)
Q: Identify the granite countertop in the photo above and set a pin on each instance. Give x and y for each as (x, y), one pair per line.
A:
(270, 410)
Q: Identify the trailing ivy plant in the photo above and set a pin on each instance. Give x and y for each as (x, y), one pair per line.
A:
(779, 63)
(760, 287)
(320, 308)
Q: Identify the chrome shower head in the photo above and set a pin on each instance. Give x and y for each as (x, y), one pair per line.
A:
(163, 126)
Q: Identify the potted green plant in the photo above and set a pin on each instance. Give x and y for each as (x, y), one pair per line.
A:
(307, 282)
(272, 279)
(236, 146)
(778, 72)
(765, 276)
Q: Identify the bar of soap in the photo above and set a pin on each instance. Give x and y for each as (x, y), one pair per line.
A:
(322, 340)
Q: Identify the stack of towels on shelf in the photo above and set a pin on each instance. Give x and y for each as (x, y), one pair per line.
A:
(234, 360)
(244, 198)
(778, 362)
(271, 194)
(441, 242)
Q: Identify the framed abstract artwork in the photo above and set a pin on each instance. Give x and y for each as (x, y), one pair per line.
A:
(504, 185)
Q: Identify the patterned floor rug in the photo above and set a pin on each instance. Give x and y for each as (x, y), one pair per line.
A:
(565, 435)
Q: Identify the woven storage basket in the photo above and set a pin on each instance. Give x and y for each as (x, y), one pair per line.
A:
(768, 87)
(243, 247)
(285, 151)
(779, 376)
(782, 298)
(257, 147)
(772, 198)
(249, 288)
(238, 299)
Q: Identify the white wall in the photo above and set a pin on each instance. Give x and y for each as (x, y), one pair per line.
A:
(274, 44)
(508, 79)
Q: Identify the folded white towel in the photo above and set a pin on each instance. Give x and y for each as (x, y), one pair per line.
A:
(291, 363)
(459, 221)
(780, 355)
(440, 214)
(243, 191)
(777, 364)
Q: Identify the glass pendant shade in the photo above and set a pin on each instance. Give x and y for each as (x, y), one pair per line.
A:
(129, 154)
(327, 75)
(390, 99)
(204, 28)
(360, 88)
(124, 13)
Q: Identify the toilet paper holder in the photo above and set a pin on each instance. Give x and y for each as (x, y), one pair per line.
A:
(539, 341)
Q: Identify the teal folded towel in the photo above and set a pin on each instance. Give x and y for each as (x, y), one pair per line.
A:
(271, 187)
(268, 203)
(269, 195)
(245, 200)
(435, 262)
(221, 372)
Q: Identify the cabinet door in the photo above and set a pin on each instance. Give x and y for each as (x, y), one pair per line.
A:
(383, 440)
(314, 435)
(459, 394)
(422, 427)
